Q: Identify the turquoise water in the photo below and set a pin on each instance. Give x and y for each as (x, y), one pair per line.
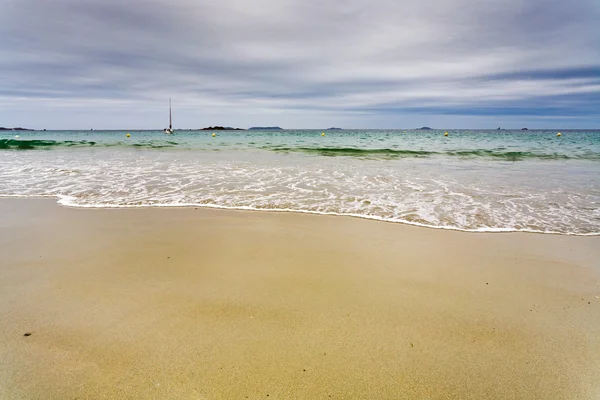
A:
(470, 180)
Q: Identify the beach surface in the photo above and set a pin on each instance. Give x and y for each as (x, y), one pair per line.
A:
(192, 303)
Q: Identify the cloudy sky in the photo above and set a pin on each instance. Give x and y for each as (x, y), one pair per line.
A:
(110, 64)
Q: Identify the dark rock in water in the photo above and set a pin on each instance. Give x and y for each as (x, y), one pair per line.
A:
(221, 128)
(425, 128)
(265, 128)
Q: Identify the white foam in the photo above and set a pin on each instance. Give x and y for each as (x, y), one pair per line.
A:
(67, 201)
(410, 191)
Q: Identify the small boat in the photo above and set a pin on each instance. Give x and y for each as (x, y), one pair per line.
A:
(169, 130)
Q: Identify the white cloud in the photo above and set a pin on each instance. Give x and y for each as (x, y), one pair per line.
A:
(242, 58)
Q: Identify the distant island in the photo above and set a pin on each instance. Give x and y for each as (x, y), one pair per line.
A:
(333, 129)
(265, 128)
(524, 129)
(14, 129)
(425, 128)
(221, 128)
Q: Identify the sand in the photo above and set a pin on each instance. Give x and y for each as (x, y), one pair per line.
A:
(215, 304)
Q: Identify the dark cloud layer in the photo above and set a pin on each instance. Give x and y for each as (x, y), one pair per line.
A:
(378, 63)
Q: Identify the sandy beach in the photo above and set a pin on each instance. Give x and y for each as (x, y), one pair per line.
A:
(186, 303)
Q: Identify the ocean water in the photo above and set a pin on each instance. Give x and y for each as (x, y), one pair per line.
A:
(471, 180)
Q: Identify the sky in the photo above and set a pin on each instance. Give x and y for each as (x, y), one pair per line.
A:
(307, 64)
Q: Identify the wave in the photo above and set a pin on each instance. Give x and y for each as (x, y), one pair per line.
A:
(399, 153)
(352, 151)
(512, 155)
(530, 198)
(17, 144)
(38, 144)
(71, 201)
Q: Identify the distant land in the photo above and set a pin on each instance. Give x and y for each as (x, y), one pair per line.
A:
(221, 128)
(14, 129)
(425, 128)
(265, 128)
(333, 129)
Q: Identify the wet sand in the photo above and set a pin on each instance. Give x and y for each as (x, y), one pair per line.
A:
(214, 304)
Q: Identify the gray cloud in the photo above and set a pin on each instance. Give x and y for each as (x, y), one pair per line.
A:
(269, 61)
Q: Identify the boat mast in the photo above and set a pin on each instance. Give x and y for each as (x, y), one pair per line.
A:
(170, 120)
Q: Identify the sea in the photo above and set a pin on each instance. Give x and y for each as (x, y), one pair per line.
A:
(469, 180)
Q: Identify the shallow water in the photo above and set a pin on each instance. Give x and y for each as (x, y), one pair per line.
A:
(470, 180)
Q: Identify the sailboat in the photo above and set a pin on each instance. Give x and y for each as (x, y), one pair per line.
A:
(169, 130)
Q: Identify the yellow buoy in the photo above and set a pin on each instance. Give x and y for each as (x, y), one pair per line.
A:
(214, 134)
(559, 134)
(445, 133)
(322, 133)
(128, 135)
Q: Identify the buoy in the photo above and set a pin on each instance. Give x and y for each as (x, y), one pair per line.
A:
(214, 134)
(17, 136)
(128, 135)
(445, 133)
(322, 133)
(558, 134)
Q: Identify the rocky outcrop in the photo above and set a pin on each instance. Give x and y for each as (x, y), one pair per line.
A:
(265, 128)
(221, 128)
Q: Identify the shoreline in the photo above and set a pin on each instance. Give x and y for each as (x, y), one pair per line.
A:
(60, 202)
(219, 304)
